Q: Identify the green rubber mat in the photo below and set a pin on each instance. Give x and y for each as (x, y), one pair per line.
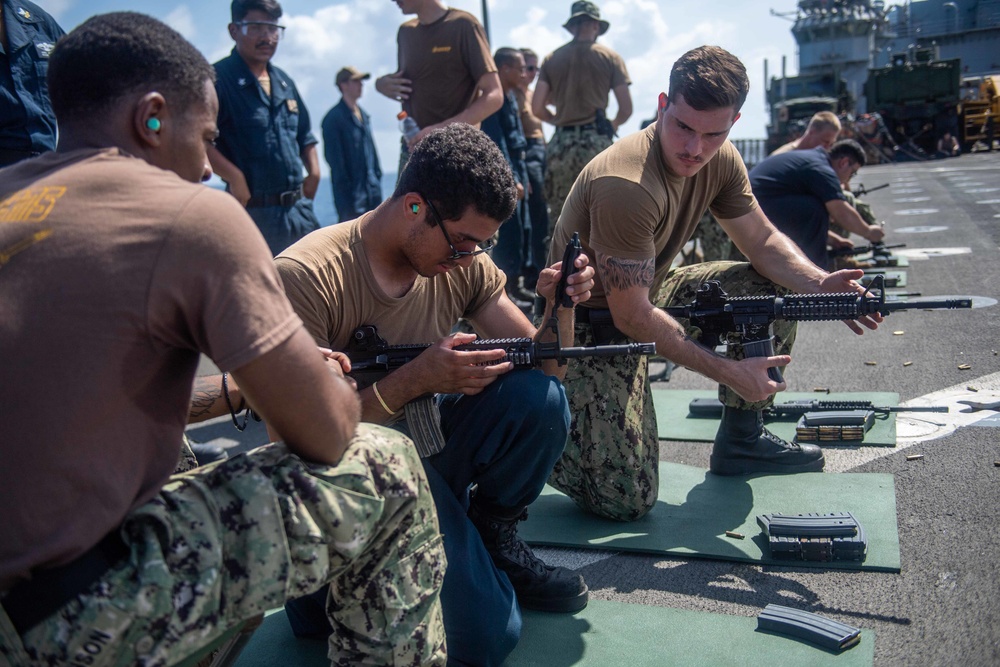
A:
(674, 421)
(605, 633)
(695, 509)
(613, 633)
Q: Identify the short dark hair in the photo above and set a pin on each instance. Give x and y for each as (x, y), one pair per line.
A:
(528, 53)
(506, 55)
(457, 167)
(111, 55)
(709, 77)
(849, 148)
(240, 8)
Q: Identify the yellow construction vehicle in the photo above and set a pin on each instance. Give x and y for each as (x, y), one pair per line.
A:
(980, 111)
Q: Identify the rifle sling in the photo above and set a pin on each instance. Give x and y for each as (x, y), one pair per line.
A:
(423, 419)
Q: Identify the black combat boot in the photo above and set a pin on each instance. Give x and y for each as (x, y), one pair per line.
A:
(208, 453)
(743, 447)
(537, 585)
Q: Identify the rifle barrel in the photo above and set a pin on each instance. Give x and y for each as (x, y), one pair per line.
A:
(948, 304)
(607, 350)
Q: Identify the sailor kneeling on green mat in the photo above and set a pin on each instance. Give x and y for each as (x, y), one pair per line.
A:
(635, 206)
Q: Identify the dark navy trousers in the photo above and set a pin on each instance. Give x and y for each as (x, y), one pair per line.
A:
(504, 441)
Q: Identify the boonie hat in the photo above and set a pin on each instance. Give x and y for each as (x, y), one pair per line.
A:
(584, 8)
(351, 74)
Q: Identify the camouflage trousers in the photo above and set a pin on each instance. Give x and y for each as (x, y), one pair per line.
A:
(234, 539)
(566, 154)
(611, 462)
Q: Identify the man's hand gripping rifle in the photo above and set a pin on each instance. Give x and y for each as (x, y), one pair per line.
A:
(747, 319)
(372, 357)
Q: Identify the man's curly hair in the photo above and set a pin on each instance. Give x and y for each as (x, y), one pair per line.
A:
(458, 167)
(112, 55)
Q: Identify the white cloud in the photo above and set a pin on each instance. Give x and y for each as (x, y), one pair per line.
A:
(181, 20)
(325, 35)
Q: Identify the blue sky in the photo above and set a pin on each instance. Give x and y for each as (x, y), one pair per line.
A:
(323, 36)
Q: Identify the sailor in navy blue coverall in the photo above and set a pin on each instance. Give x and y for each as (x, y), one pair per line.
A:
(265, 141)
(27, 124)
(349, 149)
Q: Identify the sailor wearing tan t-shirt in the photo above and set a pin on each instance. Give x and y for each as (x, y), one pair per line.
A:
(412, 268)
(445, 72)
(635, 206)
(120, 269)
(576, 79)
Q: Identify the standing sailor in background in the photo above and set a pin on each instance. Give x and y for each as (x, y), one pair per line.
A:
(445, 71)
(265, 138)
(349, 149)
(576, 78)
(504, 128)
(538, 208)
(27, 124)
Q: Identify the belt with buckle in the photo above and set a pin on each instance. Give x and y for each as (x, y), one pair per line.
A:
(30, 602)
(286, 199)
(576, 128)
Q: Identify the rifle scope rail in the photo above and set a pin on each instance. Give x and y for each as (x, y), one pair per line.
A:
(711, 303)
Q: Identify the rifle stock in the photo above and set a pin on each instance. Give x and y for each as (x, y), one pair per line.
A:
(748, 319)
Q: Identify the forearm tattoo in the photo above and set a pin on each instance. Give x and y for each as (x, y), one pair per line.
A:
(622, 274)
(207, 391)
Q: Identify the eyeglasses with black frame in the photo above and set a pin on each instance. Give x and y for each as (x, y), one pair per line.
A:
(261, 29)
(455, 253)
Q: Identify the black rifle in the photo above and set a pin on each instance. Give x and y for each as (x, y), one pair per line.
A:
(712, 407)
(877, 250)
(861, 191)
(373, 358)
(748, 319)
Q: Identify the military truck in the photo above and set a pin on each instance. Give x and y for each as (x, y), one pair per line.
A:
(918, 101)
(980, 109)
(793, 101)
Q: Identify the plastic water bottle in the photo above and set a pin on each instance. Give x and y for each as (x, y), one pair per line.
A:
(407, 125)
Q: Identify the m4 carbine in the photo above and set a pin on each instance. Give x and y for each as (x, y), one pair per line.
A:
(877, 250)
(712, 407)
(748, 319)
(372, 358)
(861, 190)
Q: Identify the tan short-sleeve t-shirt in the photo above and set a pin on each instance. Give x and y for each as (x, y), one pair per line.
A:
(126, 274)
(328, 278)
(580, 75)
(627, 203)
(444, 60)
